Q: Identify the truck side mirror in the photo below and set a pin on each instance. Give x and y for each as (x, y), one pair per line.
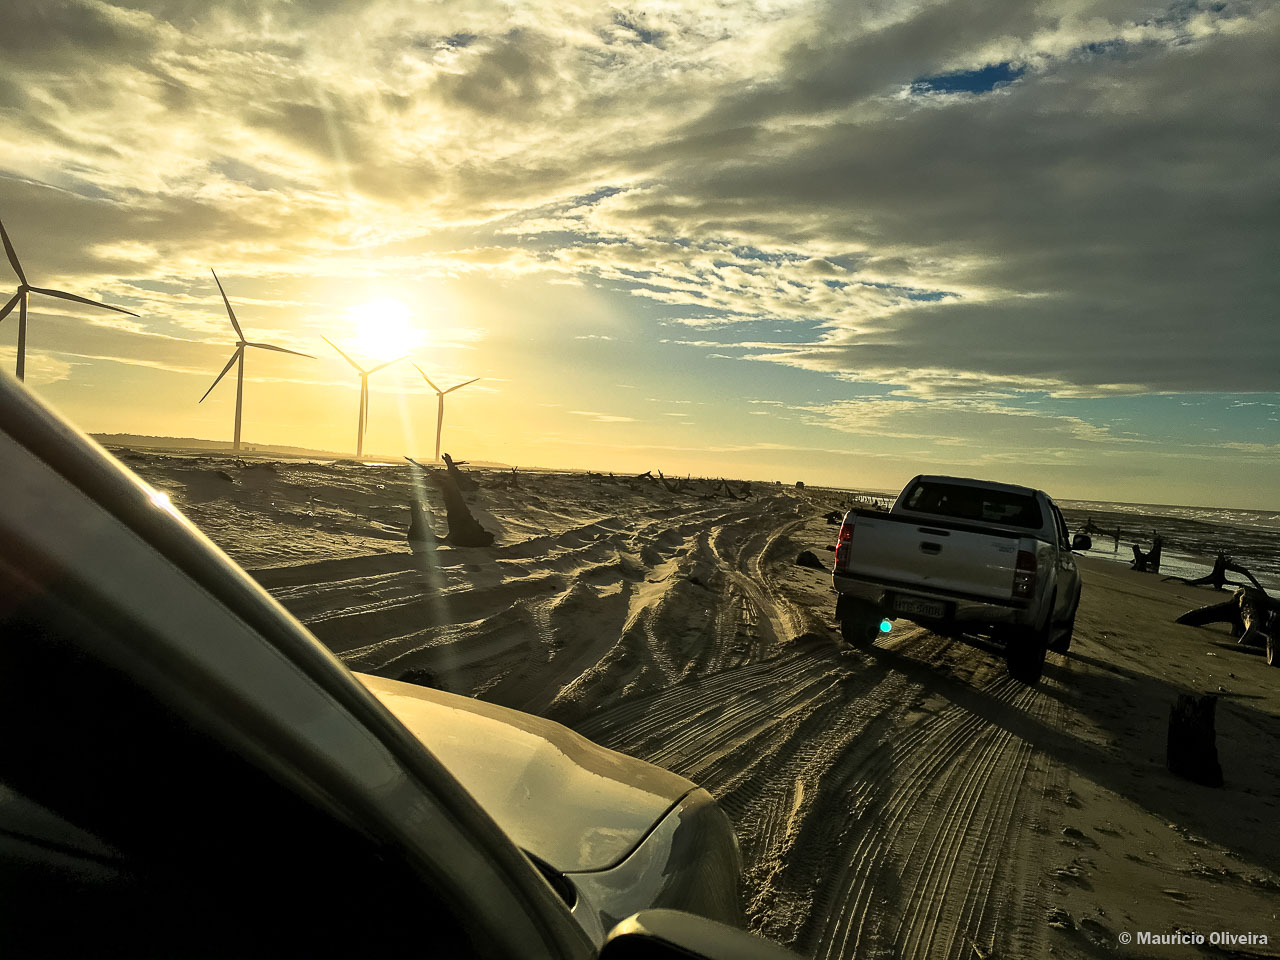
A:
(676, 935)
(1081, 541)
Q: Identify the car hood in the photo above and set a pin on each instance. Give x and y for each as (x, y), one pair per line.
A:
(569, 802)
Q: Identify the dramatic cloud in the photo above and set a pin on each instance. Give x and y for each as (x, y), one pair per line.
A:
(958, 211)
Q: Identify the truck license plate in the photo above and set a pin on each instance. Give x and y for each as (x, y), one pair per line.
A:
(919, 607)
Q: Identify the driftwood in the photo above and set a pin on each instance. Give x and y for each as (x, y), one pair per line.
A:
(647, 475)
(677, 487)
(808, 558)
(1192, 750)
(464, 529)
(420, 532)
(835, 516)
(463, 482)
(1217, 577)
(1148, 562)
(508, 481)
(1252, 615)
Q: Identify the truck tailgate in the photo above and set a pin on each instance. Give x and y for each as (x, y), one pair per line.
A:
(908, 551)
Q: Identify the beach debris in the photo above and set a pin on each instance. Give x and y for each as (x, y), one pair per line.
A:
(1059, 919)
(677, 486)
(1217, 577)
(799, 484)
(464, 529)
(1148, 562)
(808, 558)
(508, 481)
(1192, 749)
(464, 483)
(1253, 616)
(420, 531)
(834, 517)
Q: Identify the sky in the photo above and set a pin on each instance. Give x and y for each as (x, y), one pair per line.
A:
(841, 243)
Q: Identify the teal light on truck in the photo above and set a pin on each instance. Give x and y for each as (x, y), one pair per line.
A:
(885, 626)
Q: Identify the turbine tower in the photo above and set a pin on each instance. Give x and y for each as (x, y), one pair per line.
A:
(440, 405)
(19, 299)
(363, 420)
(237, 358)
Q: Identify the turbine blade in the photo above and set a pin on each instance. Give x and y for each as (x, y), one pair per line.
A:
(426, 378)
(230, 363)
(267, 346)
(13, 257)
(461, 385)
(8, 307)
(344, 356)
(230, 313)
(389, 363)
(71, 296)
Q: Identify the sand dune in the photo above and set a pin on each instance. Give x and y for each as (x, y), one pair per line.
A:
(907, 800)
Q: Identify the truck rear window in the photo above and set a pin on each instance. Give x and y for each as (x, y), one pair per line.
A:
(974, 503)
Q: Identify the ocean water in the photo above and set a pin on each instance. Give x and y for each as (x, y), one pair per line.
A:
(1192, 536)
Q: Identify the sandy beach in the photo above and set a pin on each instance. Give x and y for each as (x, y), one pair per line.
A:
(907, 800)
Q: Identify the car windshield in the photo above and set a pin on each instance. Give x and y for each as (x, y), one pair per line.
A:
(964, 502)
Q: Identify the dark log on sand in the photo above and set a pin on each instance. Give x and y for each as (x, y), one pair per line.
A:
(1192, 750)
(677, 487)
(1253, 616)
(835, 516)
(647, 475)
(463, 482)
(808, 558)
(1147, 562)
(464, 529)
(421, 533)
(1217, 577)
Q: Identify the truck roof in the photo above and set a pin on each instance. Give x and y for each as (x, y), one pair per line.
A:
(971, 482)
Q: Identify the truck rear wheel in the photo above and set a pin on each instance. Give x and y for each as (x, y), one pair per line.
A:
(859, 623)
(1062, 642)
(1025, 658)
(1025, 652)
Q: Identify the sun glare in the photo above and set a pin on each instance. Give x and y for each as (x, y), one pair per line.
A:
(384, 329)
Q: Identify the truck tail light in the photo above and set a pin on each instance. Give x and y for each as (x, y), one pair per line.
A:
(842, 542)
(1024, 575)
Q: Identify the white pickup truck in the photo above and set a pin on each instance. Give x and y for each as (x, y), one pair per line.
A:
(958, 555)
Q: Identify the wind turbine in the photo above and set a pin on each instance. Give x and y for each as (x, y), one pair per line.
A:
(440, 406)
(364, 392)
(19, 299)
(237, 358)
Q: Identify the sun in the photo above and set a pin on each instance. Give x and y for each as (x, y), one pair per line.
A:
(384, 329)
